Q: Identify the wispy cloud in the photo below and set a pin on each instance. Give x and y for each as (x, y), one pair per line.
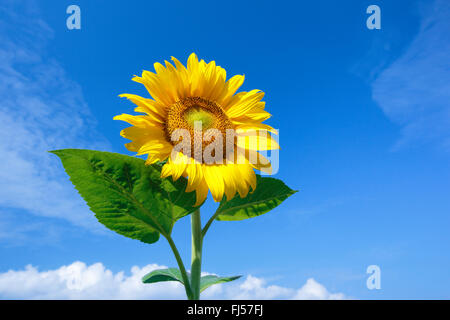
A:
(41, 109)
(414, 91)
(19, 229)
(80, 281)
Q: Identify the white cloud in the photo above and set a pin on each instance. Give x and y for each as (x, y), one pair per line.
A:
(80, 281)
(257, 288)
(414, 91)
(312, 290)
(251, 288)
(41, 109)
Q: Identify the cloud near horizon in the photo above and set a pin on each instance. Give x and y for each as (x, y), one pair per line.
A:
(81, 281)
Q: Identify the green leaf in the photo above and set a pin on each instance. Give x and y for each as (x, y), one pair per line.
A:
(171, 274)
(207, 281)
(269, 193)
(126, 195)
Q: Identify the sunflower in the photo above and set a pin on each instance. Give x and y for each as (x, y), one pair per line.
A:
(198, 100)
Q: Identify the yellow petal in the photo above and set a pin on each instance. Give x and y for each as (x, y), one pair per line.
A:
(256, 140)
(214, 180)
(138, 121)
(241, 184)
(195, 176)
(150, 133)
(248, 175)
(231, 86)
(166, 170)
(156, 89)
(254, 126)
(244, 103)
(155, 146)
(201, 193)
(229, 181)
(155, 110)
(259, 162)
(256, 116)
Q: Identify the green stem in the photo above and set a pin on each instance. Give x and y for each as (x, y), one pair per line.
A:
(186, 280)
(197, 242)
(211, 220)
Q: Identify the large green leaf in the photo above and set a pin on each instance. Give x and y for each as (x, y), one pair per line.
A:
(207, 281)
(171, 274)
(126, 195)
(269, 193)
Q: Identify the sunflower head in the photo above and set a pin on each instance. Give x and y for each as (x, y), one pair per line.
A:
(206, 131)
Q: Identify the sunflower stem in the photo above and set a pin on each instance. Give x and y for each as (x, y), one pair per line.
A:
(187, 285)
(211, 220)
(197, 243)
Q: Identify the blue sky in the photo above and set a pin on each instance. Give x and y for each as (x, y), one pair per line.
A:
(364, 121)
